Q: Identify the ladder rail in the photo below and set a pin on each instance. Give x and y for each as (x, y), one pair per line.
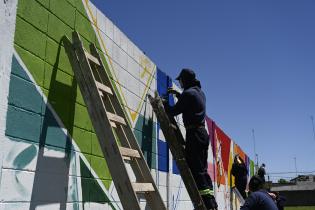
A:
(104, 133)
(117, 140)
(238, 195)
(175, 139)
(127, 133)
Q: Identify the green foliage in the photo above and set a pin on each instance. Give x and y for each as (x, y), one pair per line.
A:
(282, 181)
(300, 208)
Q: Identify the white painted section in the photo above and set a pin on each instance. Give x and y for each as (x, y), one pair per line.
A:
(12, 148)
(9, 206)
(74, 166)
(16, 186)
(7, 28)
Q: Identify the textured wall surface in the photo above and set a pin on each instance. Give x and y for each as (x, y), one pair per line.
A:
(50, 156)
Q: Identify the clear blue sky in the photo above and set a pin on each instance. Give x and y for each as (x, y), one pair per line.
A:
(255, 59)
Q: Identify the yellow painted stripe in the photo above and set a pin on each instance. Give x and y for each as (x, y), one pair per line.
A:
(145, 91)
(132, 114)
(103, 44)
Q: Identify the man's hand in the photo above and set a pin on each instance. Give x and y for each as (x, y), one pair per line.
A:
(172, 91)
(272, 195)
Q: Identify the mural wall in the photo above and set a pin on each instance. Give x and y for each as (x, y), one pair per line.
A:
(50, 157)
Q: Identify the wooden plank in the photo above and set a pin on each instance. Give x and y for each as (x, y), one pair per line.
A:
(92, 58)
(129, 152)
(104, 88)
(113, 124)
(116, 118)
(143, 187)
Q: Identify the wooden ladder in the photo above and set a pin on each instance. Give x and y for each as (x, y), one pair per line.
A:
(114, 133)
(175, 141)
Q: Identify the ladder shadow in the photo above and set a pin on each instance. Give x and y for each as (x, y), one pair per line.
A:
(147, 136)
(53, 163)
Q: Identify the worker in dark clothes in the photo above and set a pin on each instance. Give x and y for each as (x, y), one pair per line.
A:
(280, 200)
(239, 171)
(262, 172)
(192, 104)
(259, 199)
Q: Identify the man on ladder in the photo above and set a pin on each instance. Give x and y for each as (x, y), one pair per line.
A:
(192, 104)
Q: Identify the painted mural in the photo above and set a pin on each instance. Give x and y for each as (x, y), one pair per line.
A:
(50, 157)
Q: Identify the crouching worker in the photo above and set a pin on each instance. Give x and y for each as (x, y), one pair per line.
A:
(192, 104)
(259, 198)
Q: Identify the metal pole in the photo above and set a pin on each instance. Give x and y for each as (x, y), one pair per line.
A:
(256, 155)
(312, 119)
(295, 167)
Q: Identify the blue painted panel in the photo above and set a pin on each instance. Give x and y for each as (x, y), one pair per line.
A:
(162, 148)
(163, 163)
(170, 97)
(162, 83)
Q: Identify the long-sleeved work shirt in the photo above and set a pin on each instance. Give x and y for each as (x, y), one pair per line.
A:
(259, 200)
(192, 104)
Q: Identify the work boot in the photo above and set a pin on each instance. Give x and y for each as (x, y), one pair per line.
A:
(210, 202)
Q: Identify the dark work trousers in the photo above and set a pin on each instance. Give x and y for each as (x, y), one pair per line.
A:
(240, 184)
(196, 153)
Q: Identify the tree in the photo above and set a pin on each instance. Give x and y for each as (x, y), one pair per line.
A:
(282, 181)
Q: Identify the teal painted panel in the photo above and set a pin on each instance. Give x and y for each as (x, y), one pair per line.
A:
(145, 132)
(17, 69)
(23, 124)
(23, 94)
(51, 132)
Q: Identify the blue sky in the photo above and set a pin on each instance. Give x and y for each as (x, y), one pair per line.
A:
(255, 60)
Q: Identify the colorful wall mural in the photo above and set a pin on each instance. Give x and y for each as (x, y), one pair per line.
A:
(50, 157)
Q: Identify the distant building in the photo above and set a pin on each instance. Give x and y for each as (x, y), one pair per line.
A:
(300, 191)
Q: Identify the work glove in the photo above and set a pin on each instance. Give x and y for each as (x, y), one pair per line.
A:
(174, 92)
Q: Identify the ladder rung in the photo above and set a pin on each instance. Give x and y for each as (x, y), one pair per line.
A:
(103, 88)
(92, 58)
(129, 152)
(116, 118)
(113, 124)
(143, 187)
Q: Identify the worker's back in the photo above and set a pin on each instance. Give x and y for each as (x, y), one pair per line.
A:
(259, 200)
(194, 106)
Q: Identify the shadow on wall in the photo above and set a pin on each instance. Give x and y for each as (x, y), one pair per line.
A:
(147, 136)
(52, 172)
(55, 181)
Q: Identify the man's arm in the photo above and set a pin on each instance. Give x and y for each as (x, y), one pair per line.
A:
(180, 106)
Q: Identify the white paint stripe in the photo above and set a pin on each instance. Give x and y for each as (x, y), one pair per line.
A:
(7, 28)
(61, 125)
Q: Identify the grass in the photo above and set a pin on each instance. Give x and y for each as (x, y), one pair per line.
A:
(300, 208)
